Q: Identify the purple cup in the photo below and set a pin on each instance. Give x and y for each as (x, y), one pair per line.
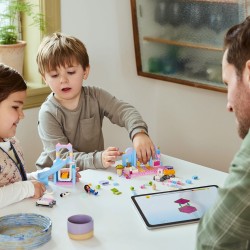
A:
(80, 227)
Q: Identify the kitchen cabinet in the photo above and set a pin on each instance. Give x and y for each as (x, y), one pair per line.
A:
(182, 41)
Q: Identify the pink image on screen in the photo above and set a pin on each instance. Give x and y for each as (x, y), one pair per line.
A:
(186, 208)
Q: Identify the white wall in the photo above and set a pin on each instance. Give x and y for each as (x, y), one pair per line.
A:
(29, 139)
(185, 122)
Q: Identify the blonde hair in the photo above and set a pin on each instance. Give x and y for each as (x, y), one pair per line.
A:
(60, 50)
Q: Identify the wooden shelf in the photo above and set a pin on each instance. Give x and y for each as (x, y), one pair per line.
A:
(194, 82)
(218, 1)
(183, 44)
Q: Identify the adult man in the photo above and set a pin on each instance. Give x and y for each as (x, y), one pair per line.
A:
(227, 224)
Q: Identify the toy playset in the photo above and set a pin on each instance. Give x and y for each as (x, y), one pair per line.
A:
(132, 167)
(63, 170)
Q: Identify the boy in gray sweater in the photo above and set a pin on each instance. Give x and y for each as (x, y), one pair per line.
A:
(74, 114)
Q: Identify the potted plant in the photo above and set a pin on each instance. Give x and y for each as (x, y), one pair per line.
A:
(11, 47)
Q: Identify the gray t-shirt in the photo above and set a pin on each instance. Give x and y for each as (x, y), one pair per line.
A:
(82, 127)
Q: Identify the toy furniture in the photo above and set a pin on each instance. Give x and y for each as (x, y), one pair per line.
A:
(61, 175)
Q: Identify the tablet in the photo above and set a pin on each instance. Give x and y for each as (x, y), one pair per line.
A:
(176, 207)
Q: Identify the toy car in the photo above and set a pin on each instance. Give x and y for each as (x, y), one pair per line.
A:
(164, 173)
(46, 202)
(162, 178)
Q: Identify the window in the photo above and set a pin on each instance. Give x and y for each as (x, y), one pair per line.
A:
(37, 91)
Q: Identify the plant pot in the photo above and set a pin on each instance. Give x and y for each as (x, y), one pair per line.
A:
(13, 55)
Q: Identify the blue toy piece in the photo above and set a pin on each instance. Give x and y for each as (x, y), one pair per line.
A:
(130, 157)
(195, 177)
(57, 166)
(188, 181)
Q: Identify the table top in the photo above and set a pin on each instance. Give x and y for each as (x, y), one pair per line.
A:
(117, 224)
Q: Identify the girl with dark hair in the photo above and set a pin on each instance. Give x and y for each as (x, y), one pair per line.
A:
(15, 184)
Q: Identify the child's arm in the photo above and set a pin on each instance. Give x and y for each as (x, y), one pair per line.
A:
(39, 189)
(125, 115)
(18, 191)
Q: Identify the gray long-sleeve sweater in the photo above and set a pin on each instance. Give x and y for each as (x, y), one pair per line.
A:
(82, 127)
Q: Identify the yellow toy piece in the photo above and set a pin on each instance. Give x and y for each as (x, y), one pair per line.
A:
(65, 175)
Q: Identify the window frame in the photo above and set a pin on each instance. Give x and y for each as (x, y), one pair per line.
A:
(37, 90)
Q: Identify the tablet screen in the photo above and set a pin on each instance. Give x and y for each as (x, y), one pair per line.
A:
(175, 207)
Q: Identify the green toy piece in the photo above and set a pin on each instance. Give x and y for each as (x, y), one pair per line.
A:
(115, 191)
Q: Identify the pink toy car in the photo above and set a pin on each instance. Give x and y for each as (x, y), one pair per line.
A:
(46, 202)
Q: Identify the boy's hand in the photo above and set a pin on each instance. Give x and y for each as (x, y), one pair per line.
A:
(144, 147)
(109, 156)
(39, 189)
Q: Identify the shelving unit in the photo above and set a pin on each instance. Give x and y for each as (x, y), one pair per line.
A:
(182, 41)
(181, 44)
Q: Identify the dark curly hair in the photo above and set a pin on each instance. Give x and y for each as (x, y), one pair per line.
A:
(10, 82)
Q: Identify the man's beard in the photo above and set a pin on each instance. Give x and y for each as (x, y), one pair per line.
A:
(243, 128)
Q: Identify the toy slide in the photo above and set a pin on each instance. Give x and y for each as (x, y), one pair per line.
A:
(58, 164)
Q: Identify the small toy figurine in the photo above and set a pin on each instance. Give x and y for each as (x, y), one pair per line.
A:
(119, 169)
(89, 190)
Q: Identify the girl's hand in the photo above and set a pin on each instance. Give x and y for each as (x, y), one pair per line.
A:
(109, 156)
(39, 189)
